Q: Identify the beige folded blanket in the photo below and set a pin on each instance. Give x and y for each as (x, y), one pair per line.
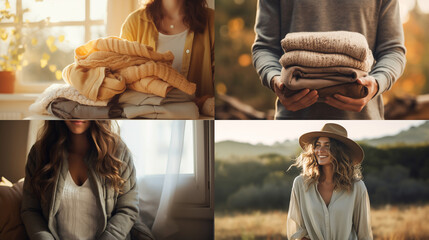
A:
(352, 44)
(298, 77)
(315, 59)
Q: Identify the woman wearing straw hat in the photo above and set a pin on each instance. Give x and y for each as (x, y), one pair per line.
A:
(329, 200)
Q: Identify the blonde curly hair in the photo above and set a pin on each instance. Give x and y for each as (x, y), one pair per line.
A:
(345, 172)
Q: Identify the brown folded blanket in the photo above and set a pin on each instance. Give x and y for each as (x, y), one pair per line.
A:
(352, 44)
(316, 59)
(352, 90)
(298, 77)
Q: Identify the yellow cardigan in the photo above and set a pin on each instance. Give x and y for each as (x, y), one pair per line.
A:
(198, 54)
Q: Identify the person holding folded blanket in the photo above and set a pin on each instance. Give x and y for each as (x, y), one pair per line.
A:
(377, 20)
(186, 28)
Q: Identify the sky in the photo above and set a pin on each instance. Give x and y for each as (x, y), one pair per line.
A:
(406, 5)
(269, 132)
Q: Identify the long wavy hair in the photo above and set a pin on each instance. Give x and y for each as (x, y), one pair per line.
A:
(345, 172)
(53, 141)
(195, 13)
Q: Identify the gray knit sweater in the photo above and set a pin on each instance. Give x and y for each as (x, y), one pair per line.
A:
(377, 20)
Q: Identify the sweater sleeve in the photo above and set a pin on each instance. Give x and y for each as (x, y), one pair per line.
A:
(361, 215)
(31, 211)
(128, 29)
(295, 224)
(126, 208)
(266, 50)
(389, 49)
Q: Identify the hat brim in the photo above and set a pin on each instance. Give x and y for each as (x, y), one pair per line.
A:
(356, 151)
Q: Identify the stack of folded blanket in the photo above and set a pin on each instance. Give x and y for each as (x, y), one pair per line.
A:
(113, 78)
(330, 62)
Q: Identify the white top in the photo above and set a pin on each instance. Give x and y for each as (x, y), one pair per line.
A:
(174, 43)
(78, 213)
(346, 217)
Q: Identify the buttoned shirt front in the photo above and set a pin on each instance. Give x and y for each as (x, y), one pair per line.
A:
(346, 217)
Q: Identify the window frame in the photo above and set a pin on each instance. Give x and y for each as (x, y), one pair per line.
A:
(20, 85)
(192, 189)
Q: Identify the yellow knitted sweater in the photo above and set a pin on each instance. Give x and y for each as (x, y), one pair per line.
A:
(106, 66)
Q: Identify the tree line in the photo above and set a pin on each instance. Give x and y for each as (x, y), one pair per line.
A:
(392, 175)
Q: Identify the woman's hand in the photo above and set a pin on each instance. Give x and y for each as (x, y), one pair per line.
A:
(351, 104)
(298, 101)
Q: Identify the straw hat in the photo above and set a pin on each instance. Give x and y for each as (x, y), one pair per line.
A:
(339, 133)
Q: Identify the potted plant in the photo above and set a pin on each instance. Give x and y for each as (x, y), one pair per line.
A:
(13, 60)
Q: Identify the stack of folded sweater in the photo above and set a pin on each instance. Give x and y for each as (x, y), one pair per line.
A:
(330, 62)
(113, 78)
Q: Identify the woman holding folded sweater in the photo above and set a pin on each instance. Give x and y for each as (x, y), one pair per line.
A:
(80, 184)
(329, 200)
(377, 20)
(186, 28)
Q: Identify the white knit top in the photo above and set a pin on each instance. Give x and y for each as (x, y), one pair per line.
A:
(78, 213)
(174, 43)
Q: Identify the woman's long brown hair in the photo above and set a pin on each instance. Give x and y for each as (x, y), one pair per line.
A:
(345, 173)
(195, 13)
(53, 140)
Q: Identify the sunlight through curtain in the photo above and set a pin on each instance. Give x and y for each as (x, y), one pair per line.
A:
(157, 147)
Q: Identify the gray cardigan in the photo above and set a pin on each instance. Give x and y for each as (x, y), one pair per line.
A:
(120, 211)
(377, 20)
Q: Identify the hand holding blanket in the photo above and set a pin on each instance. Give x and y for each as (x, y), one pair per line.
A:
(320, 60)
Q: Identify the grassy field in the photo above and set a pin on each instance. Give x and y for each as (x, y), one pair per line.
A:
(388, 223)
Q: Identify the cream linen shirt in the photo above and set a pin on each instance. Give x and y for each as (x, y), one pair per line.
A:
(346, 217)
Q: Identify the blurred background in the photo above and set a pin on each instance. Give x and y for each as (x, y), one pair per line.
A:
(240, 95)
(252, 189)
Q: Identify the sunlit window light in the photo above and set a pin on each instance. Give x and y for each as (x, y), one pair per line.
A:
(53, 28)
(149, 142)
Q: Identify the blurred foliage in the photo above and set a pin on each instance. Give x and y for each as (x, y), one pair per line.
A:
(414, 81)
(236, 76)
(22, 38)
(392, 175)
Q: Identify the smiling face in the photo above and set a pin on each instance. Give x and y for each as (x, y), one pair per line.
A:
(322, 151)
(78, 127)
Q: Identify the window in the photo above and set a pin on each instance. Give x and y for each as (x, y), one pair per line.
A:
(49, 31)
(149, 142)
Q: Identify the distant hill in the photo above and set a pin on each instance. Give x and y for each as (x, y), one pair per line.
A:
(240, 150)
(413, 135)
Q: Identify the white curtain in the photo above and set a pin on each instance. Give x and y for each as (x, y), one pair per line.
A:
(156, 191)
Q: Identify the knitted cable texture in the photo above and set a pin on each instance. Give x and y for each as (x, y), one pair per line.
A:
(316, 59)
(139, 65)
(121, 46)
(160, 70)
(352, 44)
(61, 91)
